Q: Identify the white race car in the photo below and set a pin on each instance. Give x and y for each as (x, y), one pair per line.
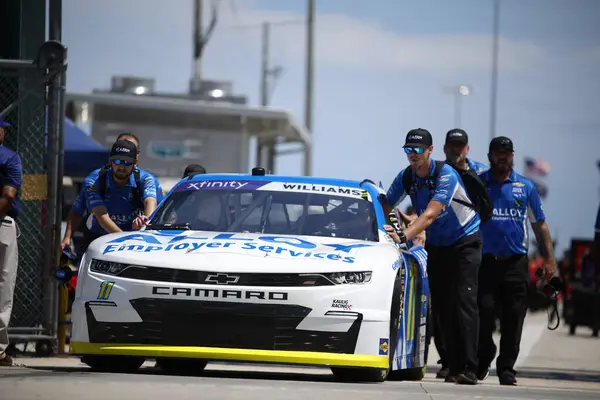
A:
(268, 269)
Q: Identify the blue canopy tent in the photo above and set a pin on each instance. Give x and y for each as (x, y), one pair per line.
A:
(82, 153)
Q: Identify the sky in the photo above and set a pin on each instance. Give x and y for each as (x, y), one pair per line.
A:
(382, 67)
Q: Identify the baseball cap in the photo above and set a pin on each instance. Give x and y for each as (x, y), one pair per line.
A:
(123, 150)
(418, 138)
(501, 143)
(3, 123)
(457, 135)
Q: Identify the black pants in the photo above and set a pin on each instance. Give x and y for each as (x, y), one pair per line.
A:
(503, 282)
(453, 278)
(434, 328)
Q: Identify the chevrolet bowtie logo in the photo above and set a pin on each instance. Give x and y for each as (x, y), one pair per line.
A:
(222, 279)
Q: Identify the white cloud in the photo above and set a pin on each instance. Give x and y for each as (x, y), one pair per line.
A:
(345, 42)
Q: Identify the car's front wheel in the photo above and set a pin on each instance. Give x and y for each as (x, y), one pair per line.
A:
(378, 374)
(123, 364)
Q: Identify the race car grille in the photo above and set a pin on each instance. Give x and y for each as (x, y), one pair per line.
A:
(213, 278)
(172, 322)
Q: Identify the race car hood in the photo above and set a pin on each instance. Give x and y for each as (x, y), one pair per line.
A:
(199, 250)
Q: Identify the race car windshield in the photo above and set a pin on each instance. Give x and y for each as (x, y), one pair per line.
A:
(252, 207)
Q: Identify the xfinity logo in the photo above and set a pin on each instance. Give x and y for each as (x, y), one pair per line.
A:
(222, 279)
(411, 137)
(456, 134)
(122, 150)
(218, 294)
(217, 184)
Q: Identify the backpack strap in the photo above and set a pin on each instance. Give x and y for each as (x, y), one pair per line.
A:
(137, 190)
(407, 177)
(102, 180)
(407, 180)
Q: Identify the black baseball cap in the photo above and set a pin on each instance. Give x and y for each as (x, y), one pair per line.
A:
(418, 138)
(194, 169)
(123, 150)
(457, 135)
(501, 143)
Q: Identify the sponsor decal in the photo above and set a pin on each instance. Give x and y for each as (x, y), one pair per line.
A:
(289, 246)
(300, 187)
(187, 292)
(384, 346)
(508, 214)
(396, 264)
(341, 304)
(216, 185)
(105, 290)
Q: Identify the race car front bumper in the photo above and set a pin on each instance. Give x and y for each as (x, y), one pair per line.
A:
(218, 322)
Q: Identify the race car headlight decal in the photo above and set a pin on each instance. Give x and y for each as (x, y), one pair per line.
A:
(341, 278)
(107, 267)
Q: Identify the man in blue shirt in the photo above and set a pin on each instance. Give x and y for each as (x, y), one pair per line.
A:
(11, 176)
(457, 149)
(79, 209)
(504, 275)
(121, 203)
(453, 246)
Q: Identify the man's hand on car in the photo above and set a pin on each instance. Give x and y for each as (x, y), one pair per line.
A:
(139, 222)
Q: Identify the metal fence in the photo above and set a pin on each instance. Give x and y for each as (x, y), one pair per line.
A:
(31, 100)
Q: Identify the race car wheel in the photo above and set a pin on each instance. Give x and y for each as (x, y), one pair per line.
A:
(121, 364)
(181, 366)
(377, 374)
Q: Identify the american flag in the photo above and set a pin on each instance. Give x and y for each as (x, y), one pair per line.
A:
(535, 167)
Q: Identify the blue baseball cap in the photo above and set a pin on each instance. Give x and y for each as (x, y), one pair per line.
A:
(3, 123)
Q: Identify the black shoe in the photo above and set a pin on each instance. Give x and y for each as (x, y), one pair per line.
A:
(507, 378)
(483, 373)
(450, 378)
(466, 378)
(442, 373)
(6, 361)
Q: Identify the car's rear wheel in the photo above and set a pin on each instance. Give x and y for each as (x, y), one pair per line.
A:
(123, 364)
(378, 374)
(181, 366)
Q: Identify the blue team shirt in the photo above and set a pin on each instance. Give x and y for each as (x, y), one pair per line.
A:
(456, 221)
(477, 166)
(11, 175)
(515, 201)
(118, 201)
(80, 203)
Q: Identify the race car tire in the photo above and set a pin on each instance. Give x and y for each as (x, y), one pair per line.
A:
(181, 366)
(120, 364)
(378, 374)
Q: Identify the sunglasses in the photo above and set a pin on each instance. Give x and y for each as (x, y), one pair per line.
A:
(415, 150)
(121, 162)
